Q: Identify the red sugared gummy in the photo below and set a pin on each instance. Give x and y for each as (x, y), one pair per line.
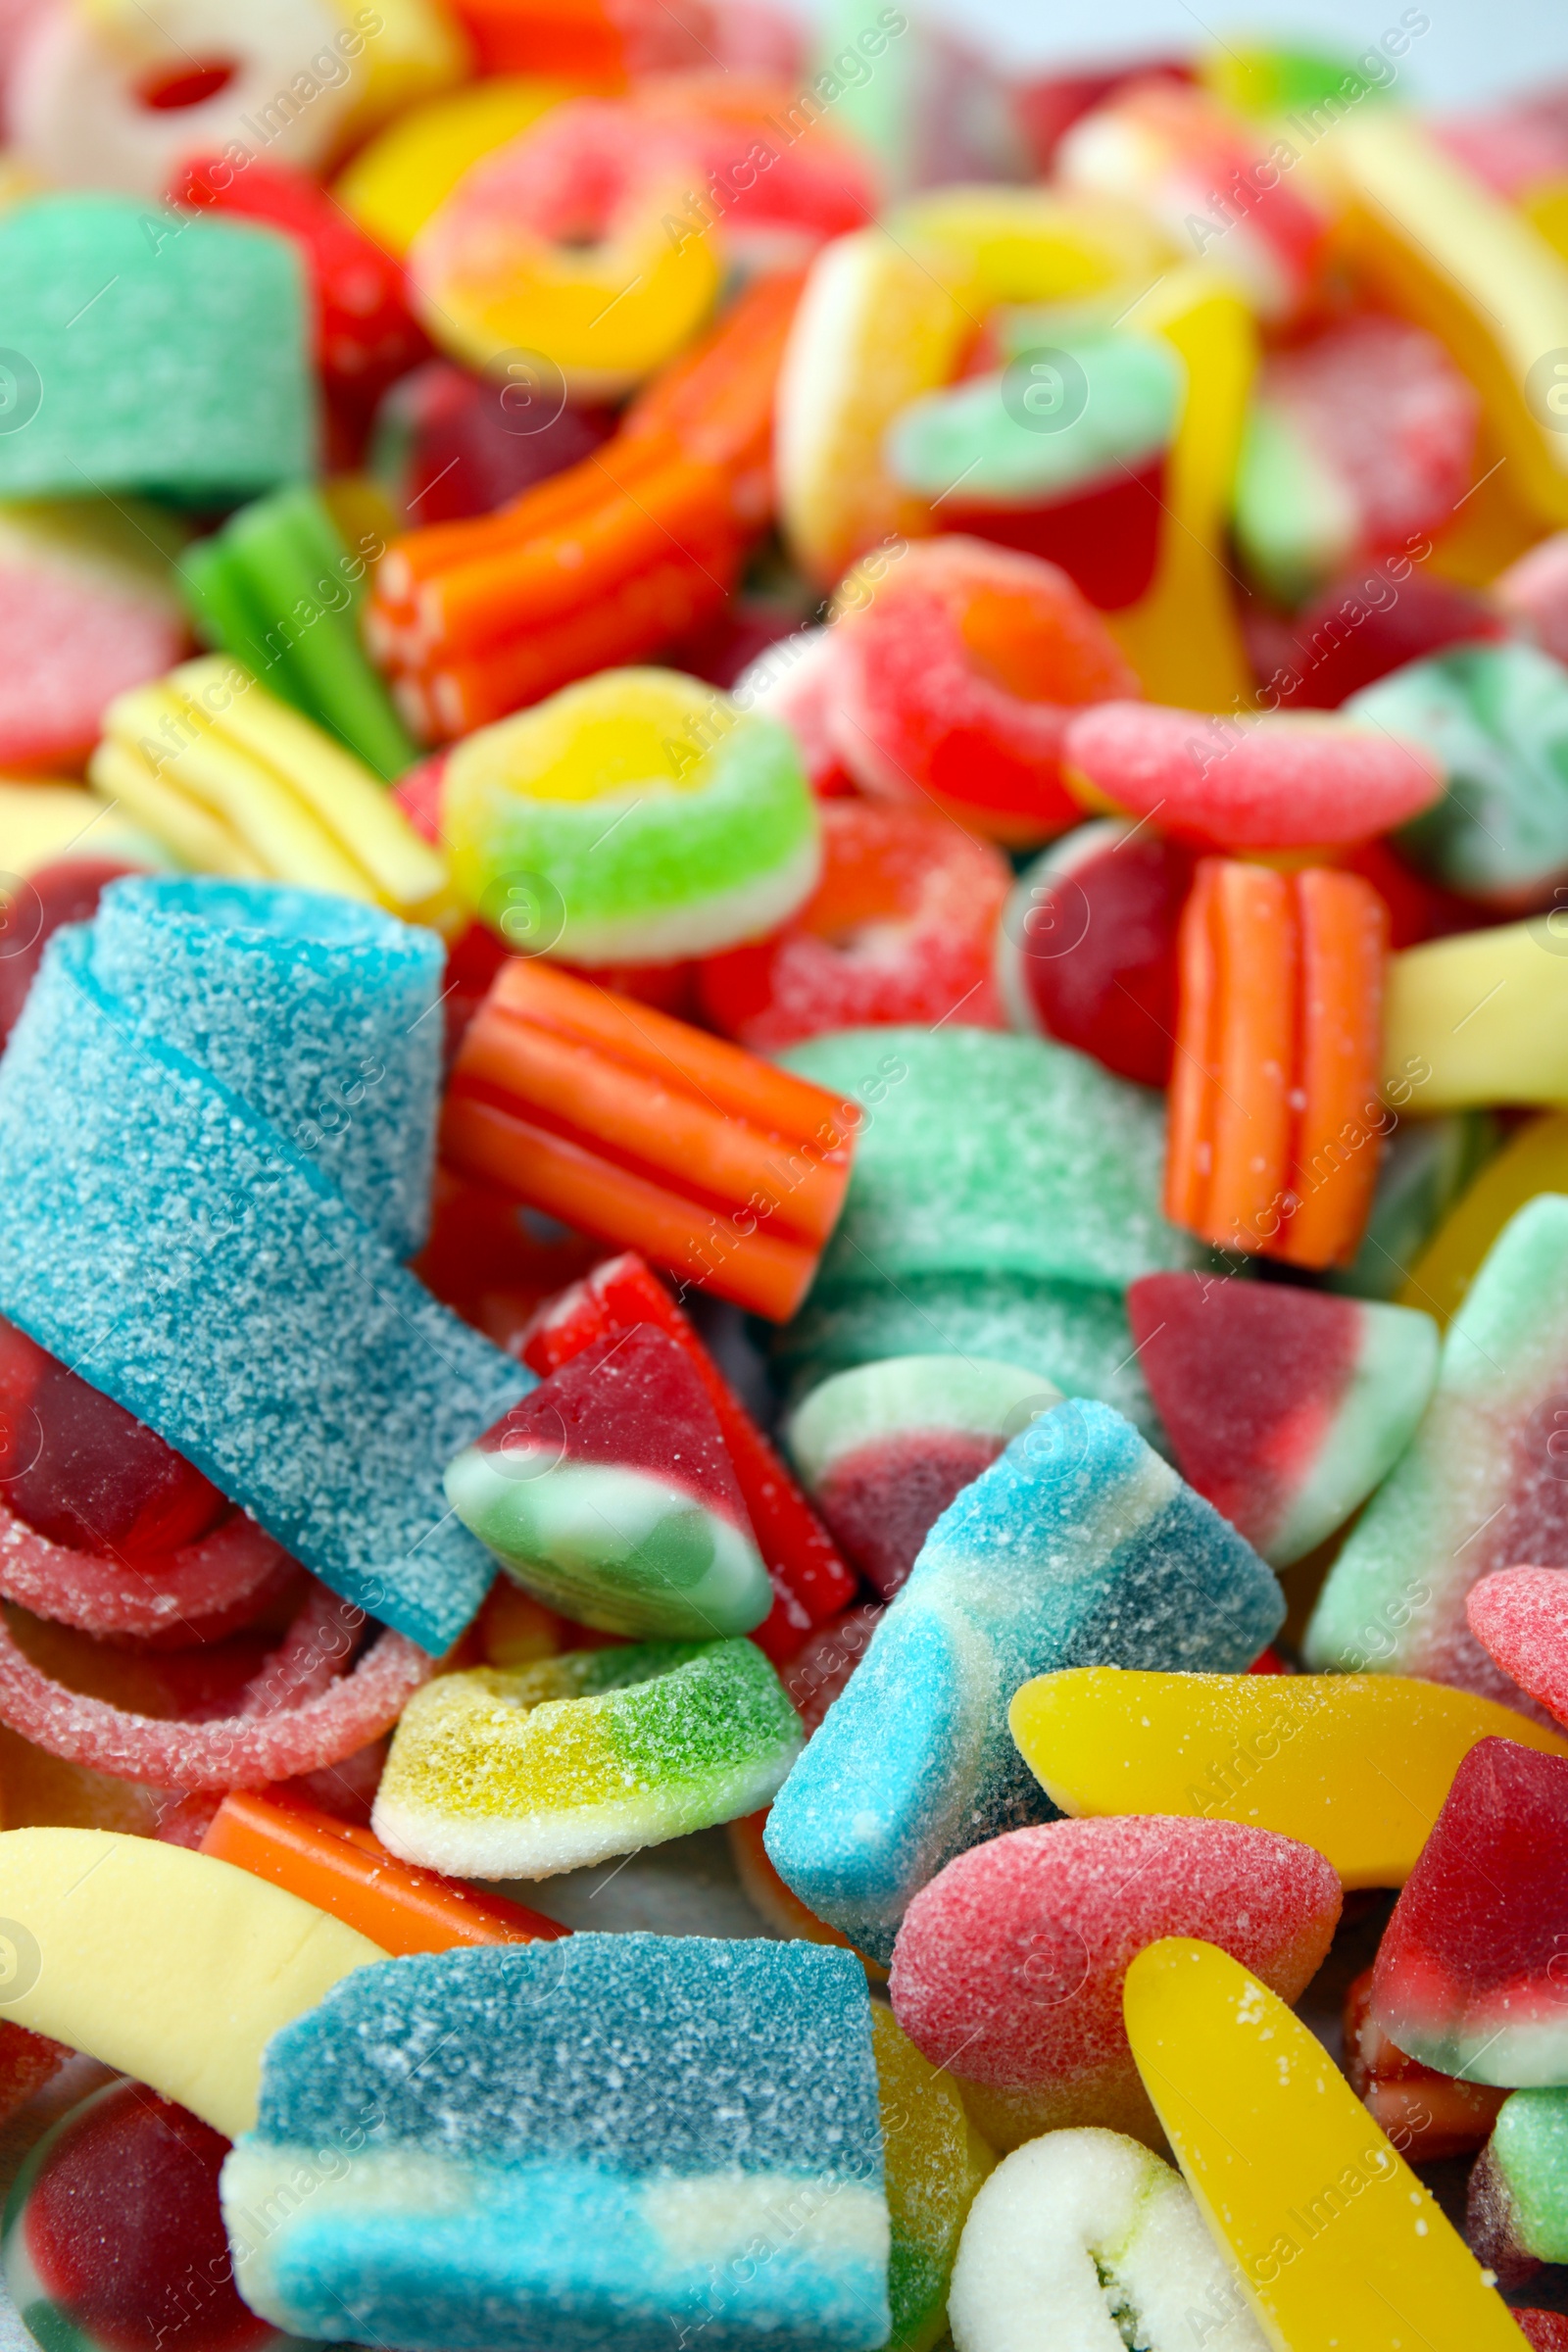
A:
(1534, 593)
(1008, 1966)
(446, 445)
(1427, 2115)
(883, 1500)
(958, 677)
(900, 928)
(82, 1471)
(1104, 535)
(119, 2237)
(1470, 1972)
(1086, 948)
(1520, 1618)
(1547, 2331)
(1356, 631)
(67, 892)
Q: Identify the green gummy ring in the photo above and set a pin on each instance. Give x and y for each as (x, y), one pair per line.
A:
(522, 1772)
(718, 843)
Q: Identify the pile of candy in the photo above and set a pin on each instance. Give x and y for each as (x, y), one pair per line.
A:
(783, 1023)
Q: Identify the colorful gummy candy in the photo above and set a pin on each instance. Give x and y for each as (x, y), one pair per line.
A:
(844, 999)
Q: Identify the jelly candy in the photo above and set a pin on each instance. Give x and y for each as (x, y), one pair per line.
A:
(251, 1957)
(1358, 1765)
(898, 929)
(767, 194)
(1330, 2230)
(1275, 782)
(1283, 1406)
(1476, 1019)
(220, 404)
(661, 820)
(587, 38)
(955, 681)
(811, 1583)
(1274, 1109)
(279, 587)
(1360, 442)
(1520, 1618)
(877, 325)
(446, 445)
(620, 2126)
(1534, 593)
(113, 2241)
(1477, 1488)
(1093, 2236)
(1008, 1966)
(89, 609)
(523, 1773)
(1031, 246)
(661, 1121)
(234, 782)
(164, 1056)
(1079, 1540)
(883, 1449)
(408, 171)
(609, 1495)
(1516, 2218)
(346, 1871)
(793, 680)
(1467, 1971)
(1358, 630)
(1082, 1151)
(1085, 951)
(1427, 2115)
(935, 2161)
(556, 244)
(1494, 719)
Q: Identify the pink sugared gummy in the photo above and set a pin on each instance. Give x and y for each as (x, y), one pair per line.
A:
(1275, 782)
(1520, 1618)
(73, 643)
(1008, 1966)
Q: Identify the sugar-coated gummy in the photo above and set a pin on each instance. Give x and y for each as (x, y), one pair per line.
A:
(1518, 2213)
(163, 1231)
(567, 2146)
(219, 398)
(1053, 1169)
(1079, 1547)
(935, 2160)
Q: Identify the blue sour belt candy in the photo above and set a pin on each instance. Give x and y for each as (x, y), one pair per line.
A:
(215, 1124)
(1078, 1547)
(605, 2141)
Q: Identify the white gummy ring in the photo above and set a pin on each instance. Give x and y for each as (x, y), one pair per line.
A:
(77, 116)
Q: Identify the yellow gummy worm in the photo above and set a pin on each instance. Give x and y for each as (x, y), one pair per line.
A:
(1336, 2241)
(173, 1967)
(1358, 1765)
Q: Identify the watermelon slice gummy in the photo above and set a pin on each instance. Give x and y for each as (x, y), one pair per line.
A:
(1284, 1407)
(609, 1493)
(1472, 1972)
(883, 1449)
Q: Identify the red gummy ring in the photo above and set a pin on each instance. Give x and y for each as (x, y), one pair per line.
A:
(957, 674)
(237, 1751)
(900, 928)
(198, 1592)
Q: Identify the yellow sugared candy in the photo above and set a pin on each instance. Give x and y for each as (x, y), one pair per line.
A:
(394, 184)
(1028, 245)
(1535, 1160)
(1483, 1016)
(1435, 244)
(1182, 636)
(936, 2161)
(1358, 1765)
(878, 324)
(1340, 2248)
(40, 822)
(173, 1967)
(232, 781)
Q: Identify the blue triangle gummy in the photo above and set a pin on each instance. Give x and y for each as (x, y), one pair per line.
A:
(573, 2147)
(150, 352)
(217, 1119)
(1078, 1547)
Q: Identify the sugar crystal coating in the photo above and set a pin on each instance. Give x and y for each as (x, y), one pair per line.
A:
(564, 2145)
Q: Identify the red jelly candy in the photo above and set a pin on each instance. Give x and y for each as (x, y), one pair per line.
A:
(1358, 631)
(1086, 948)
(1427, 2115)
(899, 928)
(957, 676)
(449, 445)
(1547, 2331)
(1471, 1972)
(82, 1471)
(1008, 1966)
(113, 2238)
(1520, 1618)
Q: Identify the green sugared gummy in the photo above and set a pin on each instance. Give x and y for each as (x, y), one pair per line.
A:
(1528, 2149)
(1496, 719)
(1291, 515)
(982, 1154)
(171, 356)
(971, 440)
(278, 586)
